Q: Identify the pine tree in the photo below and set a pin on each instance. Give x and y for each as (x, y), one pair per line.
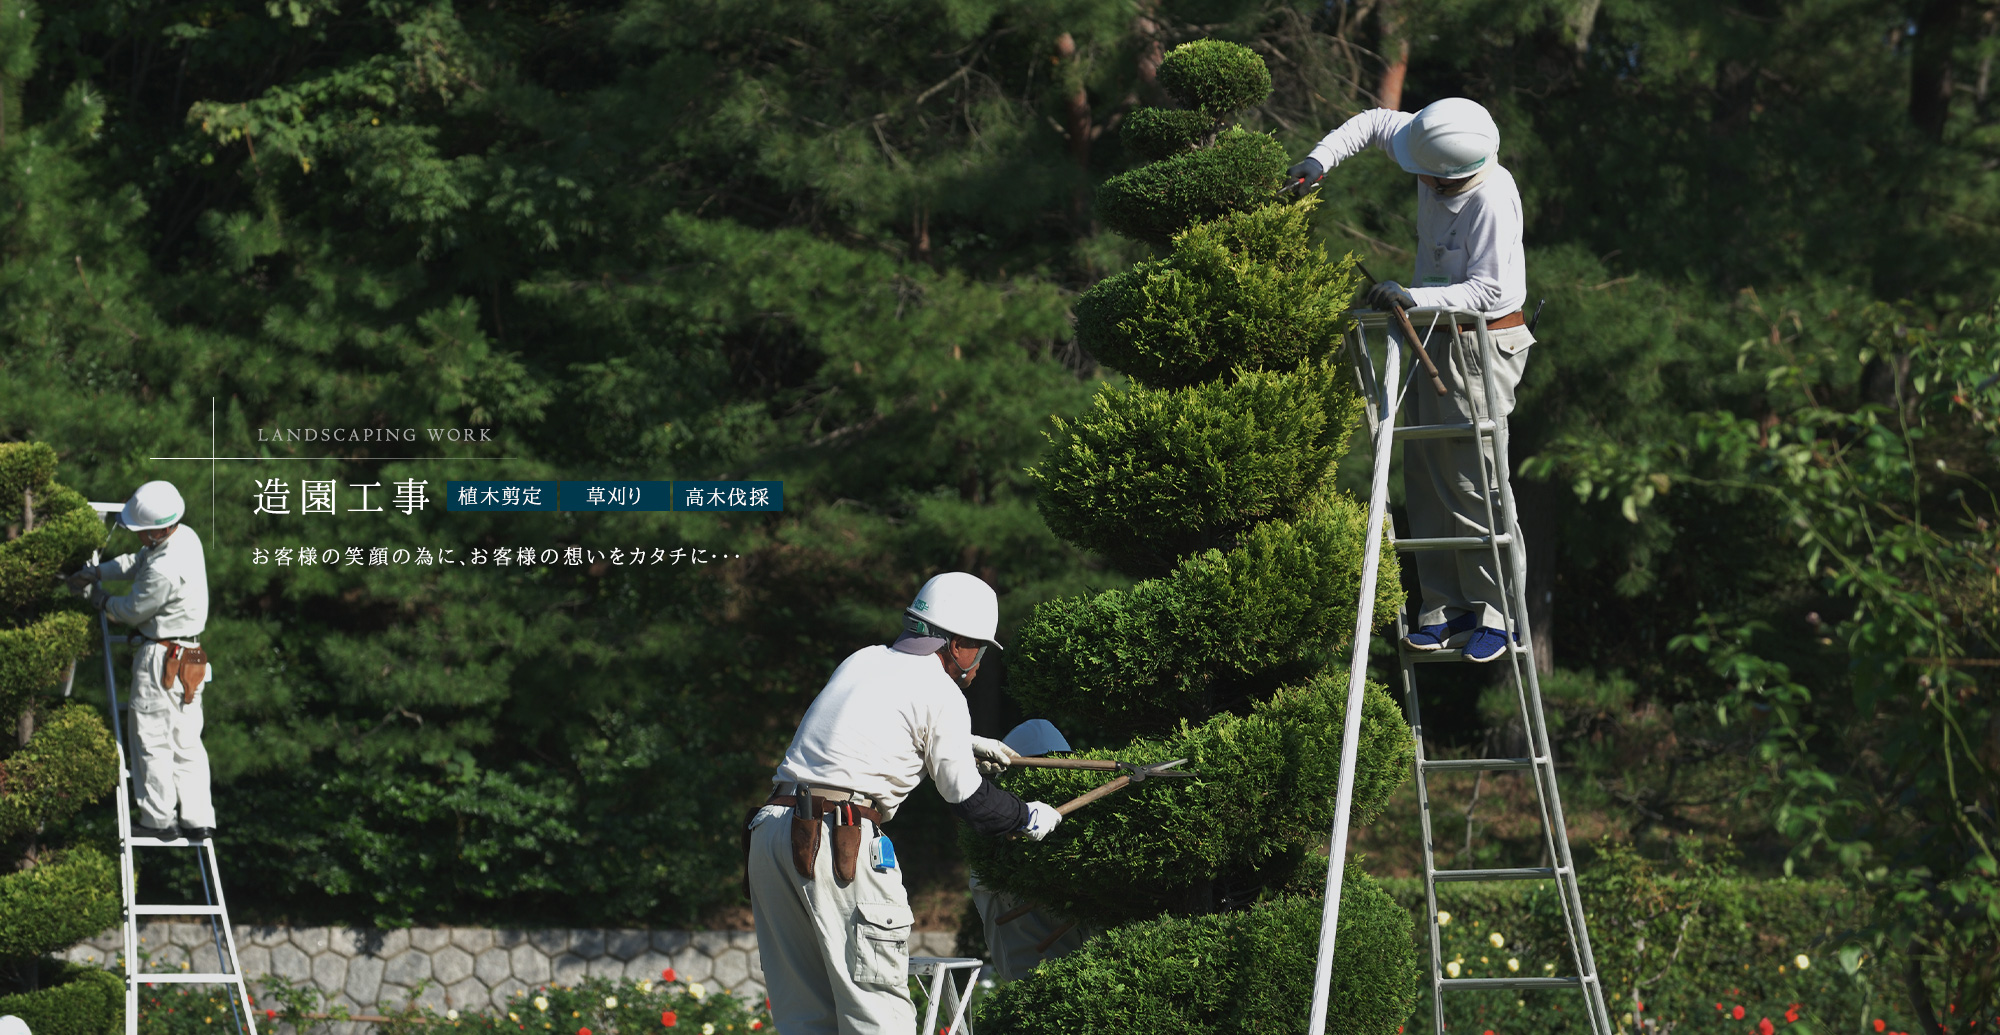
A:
(1210, 479)
(57, 758)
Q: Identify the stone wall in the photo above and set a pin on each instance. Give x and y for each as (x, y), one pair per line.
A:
(467, 968)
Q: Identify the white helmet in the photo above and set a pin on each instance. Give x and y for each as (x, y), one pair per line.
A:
(154, 505)
(957, 603)
(1448, 139)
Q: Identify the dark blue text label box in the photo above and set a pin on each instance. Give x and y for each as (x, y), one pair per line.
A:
(609, 495)
(500, 495)
(693, 497)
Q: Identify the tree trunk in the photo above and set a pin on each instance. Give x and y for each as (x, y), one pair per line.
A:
(1920, 997)
(1079, 129)
(1930, 65)
(1396, 51)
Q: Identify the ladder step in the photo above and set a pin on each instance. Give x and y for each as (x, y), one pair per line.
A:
(1452, 542)
(190, 979)
(138, 910)
(1478, 765)
(1461, 430)
(1450, 654)
(1475, 984)
(162, 842)
(1521, 873)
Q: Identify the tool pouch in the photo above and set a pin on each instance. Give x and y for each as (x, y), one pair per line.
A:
(805, 841)
(193, 669)
(846, 851)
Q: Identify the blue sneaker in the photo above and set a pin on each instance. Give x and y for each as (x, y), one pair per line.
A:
(1433, 637)
(1485, 645)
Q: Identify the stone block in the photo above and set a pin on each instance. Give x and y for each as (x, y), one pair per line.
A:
(745, 940)
(187, 935)
(364, 981)
(492, 967)
(429, 939)
(709, 942)
(530, 964)
(732, 967)
(390, 944)
(265, 935)
(474, 940)
(669, 942)
(468, 995)
(312, 940)
(329, 971)
(569, 969)
(587, 943)
(550, 942)
(409, 967)
(626, 944)
(511, 994)
(647, 967)
(289, 963)
(255, 960)
(756, 960)
(203, 959)
(693, 965)
(507, 939)
(752, 992)
(451, 965)
(612, 968)
(432, 998)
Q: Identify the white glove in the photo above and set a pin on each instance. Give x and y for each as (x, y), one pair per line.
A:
(1042, 818)
(991, 755)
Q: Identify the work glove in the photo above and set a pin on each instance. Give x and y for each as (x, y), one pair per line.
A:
(1042, 818)
(991, 755)
(80, 582)
(1302, 177)
(1389, 293)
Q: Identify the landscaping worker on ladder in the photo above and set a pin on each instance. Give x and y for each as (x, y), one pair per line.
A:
(833, 921)
(167, 608)
(1469, 256)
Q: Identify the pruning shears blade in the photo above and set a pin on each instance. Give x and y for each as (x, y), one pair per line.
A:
(1139, 773)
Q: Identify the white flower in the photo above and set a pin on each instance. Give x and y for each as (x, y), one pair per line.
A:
(1548, 968)
(451, 1015)
(1513, 964)
(1801, 961)
(708, 1029)
(611, 1002)
(1498, 941)
(1444, 918)
(512, 1016)
(542, 1003)
(645, 988)
(696, 990)
(1451, 969)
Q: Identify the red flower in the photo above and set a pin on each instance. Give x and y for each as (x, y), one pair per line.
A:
(1792, 1014)
(270, 1014)
(667, 1019)
(1718, 1006)
(1489, 1031)
(583, 1031)
(1737, 1013)
(1765, 1027)
(668, 975)
(1879, 1025)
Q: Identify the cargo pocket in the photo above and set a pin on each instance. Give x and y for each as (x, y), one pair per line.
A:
(880, 954)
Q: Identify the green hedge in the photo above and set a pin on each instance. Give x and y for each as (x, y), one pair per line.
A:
(1216, 76)
(1154, 202)
(1150, 476)
(66, 530)
(74, 1000)
(1266, 785)
(1156, 133)
(1246, 972)
(1223, 629)
(1249, 289)
(69, 896)
(69, 763)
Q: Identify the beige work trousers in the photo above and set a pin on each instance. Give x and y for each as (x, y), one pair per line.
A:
(836, 958)
(1443, 488)
(169, 765)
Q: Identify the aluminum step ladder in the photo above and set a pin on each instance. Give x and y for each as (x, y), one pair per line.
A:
(1383, 389)
(212, 906)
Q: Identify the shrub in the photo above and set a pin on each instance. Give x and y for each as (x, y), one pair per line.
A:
(1156, 133)
(73, 1000)
(1155, 202)
(1219, 77)
(597, 1006)
(60, 901)
(69, 763)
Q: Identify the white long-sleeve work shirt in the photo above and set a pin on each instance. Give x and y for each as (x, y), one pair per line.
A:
(1469, 251)
(882, 722)
(169, 596)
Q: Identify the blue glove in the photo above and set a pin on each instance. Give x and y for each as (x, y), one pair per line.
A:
(1302, 177)
(1389, 293)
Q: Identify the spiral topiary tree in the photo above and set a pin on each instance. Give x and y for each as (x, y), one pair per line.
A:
(55, 757)
(1210, 478)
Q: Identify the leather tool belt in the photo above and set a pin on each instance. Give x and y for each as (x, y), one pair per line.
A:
(186, 665)
(847, 811)
(1513, 319)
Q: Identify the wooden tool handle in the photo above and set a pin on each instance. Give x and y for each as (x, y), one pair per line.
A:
(1410, 335)
(1100, 764)
(1084, 799)
(1014, 914)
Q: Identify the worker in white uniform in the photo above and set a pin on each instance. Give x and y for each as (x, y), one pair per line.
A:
(1019, 934)
(833, 921)
(167, 609)
(1469, 256)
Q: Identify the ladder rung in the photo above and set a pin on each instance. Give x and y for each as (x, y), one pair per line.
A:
(161, 842)
(1452, 542)
(1474, 984)
(1451, 654)
(1485, 765)
(1521, 873)
(138, 910)
(1460, 430)
(190, 979)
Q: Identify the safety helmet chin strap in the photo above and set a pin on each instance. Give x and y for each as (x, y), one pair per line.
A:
(960, 674)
